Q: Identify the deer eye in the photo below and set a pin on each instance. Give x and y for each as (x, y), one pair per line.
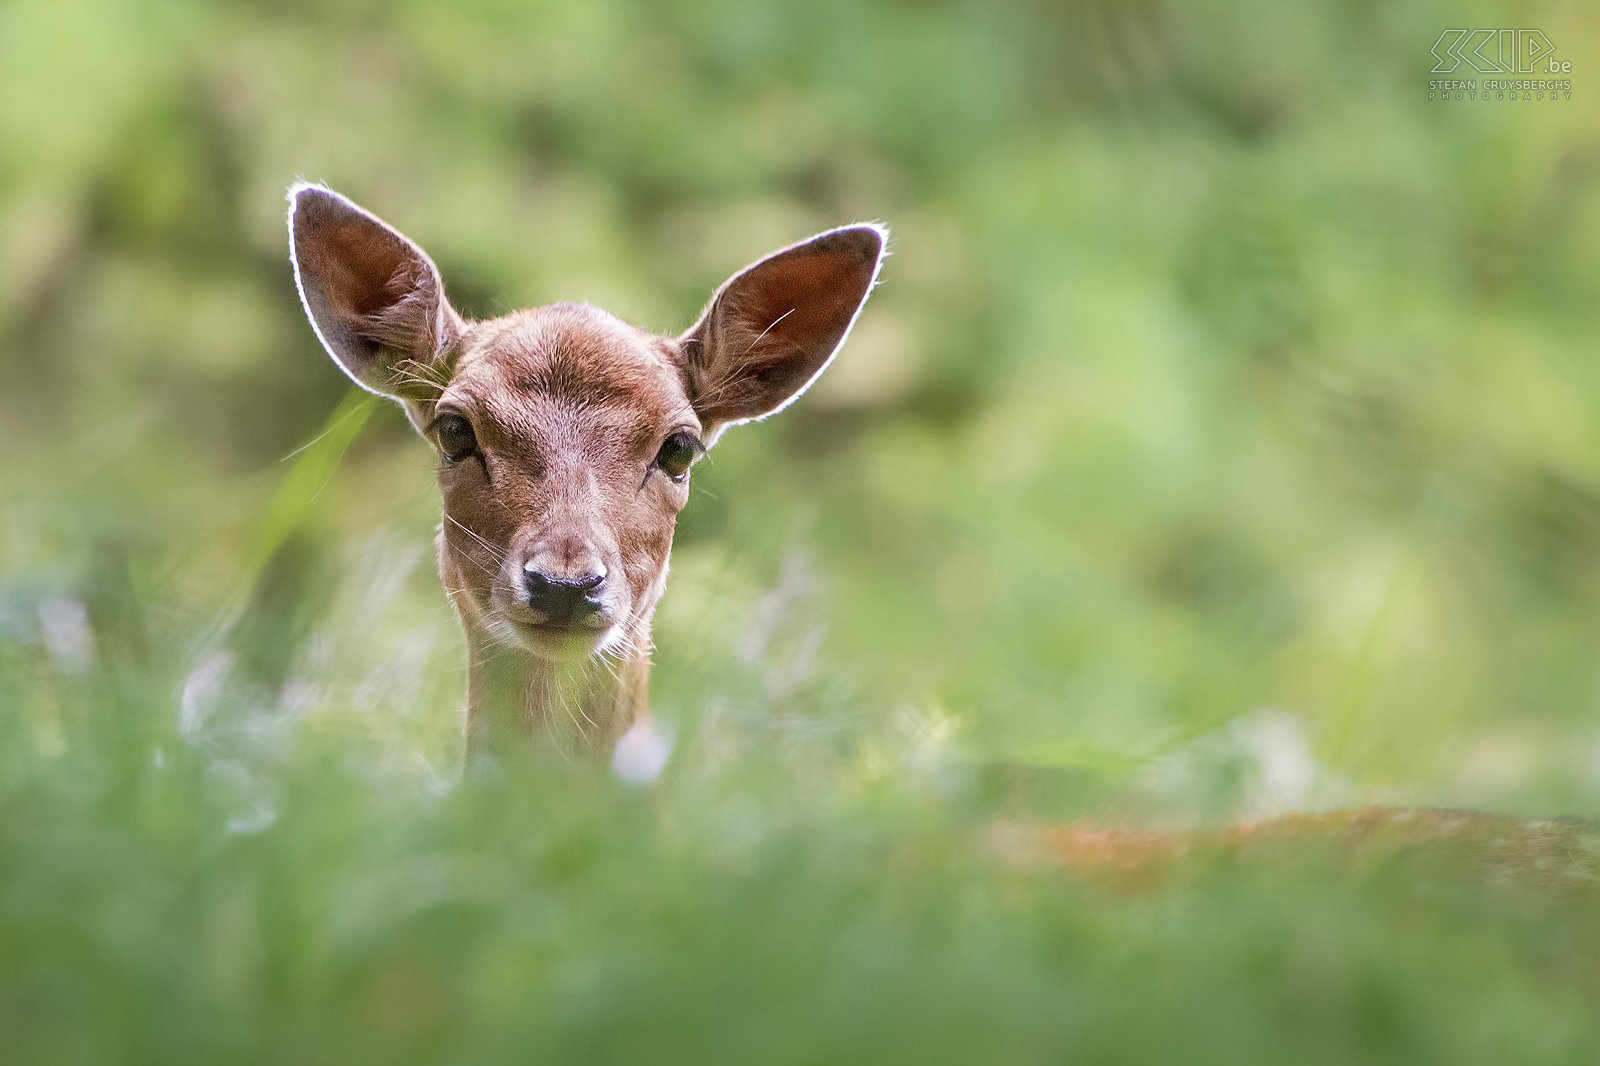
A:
(456, 439)
(677, 454)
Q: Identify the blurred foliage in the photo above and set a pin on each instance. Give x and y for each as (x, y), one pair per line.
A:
(1224, 439)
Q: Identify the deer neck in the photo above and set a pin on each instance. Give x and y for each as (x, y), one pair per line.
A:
(515, 697)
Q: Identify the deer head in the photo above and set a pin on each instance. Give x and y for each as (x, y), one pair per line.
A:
(566, 439)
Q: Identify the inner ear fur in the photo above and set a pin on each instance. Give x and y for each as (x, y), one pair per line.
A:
(373, 296)
(771, 329)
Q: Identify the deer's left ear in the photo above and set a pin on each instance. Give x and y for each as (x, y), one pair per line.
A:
(772, 328)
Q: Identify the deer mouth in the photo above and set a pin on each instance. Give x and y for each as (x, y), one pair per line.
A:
(562, 643)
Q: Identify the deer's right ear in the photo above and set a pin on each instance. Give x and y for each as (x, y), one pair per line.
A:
(374, 298)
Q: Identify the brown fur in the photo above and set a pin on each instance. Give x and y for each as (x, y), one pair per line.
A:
(1499, 849)
(569, 406)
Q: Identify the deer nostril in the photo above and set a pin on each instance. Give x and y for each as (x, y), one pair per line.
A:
(563, 598)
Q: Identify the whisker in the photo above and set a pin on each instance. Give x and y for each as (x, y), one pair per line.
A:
(498, 553)
(768, 330)
(494, 552)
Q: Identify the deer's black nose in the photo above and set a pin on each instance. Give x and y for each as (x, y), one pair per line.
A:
(563, 598)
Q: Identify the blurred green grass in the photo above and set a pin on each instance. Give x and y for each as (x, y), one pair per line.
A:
(1222, 441)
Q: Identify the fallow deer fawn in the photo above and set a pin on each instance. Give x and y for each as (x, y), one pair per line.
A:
(565, 439)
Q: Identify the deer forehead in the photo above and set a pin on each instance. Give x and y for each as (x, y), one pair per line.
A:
(570, 372)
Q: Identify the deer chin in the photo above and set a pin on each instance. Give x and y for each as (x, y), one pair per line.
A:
(560, 644)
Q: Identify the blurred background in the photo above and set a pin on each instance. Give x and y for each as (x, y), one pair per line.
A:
(1224, 440)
